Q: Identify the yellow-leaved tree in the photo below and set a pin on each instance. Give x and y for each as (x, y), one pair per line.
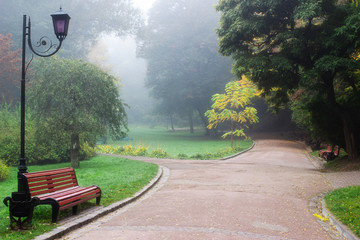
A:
(233, 107)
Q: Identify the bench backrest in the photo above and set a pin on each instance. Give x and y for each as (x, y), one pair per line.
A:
(336, 150)
(50, 181)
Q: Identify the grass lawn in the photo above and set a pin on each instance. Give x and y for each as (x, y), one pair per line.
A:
(344, 204)
(118, 179)
(178, 142)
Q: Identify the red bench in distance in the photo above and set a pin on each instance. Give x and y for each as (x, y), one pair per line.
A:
(330, 153)
(59, 188)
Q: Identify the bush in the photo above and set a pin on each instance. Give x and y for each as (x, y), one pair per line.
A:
(4, 171)
(197, 156)
(43, 145)
(182, 156)
(86, 151)
(159, 153)
(140, 151)
(123, 150)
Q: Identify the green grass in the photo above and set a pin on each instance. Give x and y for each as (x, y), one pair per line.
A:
(118, 179)
(344, 204)
(178, 142)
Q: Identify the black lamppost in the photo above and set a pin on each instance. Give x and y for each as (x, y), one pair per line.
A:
(21, 204)
(61, 24)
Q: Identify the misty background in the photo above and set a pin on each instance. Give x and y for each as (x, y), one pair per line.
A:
(163, 51)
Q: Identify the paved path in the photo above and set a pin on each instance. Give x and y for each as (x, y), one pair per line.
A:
(261, 194)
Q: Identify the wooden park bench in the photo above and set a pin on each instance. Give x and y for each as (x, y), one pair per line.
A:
(59, 188)
(330, 153)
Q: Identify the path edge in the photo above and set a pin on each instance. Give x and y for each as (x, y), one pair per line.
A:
(239, 153)
(324, 217)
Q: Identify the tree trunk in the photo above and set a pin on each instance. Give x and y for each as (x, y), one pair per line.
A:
(191, 123)
(348, 125)
(351, 144)
(74, 150)
(204, 120)
(232, 134)
(172, 122)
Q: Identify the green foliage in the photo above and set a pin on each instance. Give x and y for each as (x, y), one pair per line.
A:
(10, 134)
(344, 204)
(87, 151)
(182, 156)
(39, 146)
(4, 170)
(310, 46)
(123, 150)
(76, 101)
(76, 96)
(233, 107)
(159, 153)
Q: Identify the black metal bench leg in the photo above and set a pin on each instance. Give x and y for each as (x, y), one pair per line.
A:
(55, 213)
(98, 200)
(75, 210)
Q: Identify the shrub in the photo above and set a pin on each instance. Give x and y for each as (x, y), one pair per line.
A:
(140, 151)
(197, 156)
(123, 150)
(159, 153)
(104, 149)
(118, 150)
(86, 151)
(182, 156)
(4, 171)
(43, 145)
(128, 150)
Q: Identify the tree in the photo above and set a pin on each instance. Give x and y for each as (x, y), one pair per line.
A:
(180, 46)
(233, 106)
(77, 99)
(9, 69)
(288, 46)
(89, 19)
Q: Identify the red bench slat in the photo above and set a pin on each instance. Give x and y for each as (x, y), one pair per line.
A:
(48, 182)
(48, 172)
(51, 190)
(47, 177)
(77, 203)
(74, 197)
(52, 186)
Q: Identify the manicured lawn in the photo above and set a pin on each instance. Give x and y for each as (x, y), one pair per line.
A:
(178, 142)
(118, 179)
(344, 204)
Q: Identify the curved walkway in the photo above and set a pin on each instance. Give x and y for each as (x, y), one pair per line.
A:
(261, 194)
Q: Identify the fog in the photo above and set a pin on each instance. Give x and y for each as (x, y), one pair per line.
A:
(120, 58)
(164, 52)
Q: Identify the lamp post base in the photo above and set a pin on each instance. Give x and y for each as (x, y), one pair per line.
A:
(21, 207)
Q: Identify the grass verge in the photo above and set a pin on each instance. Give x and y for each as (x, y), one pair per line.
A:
(160, 142)
(118, 179)
(344, 205)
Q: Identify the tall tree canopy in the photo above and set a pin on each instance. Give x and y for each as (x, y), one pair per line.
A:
(89, 19)
(180, 46)
(289, 47)
(76, 98)
(9, 69)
